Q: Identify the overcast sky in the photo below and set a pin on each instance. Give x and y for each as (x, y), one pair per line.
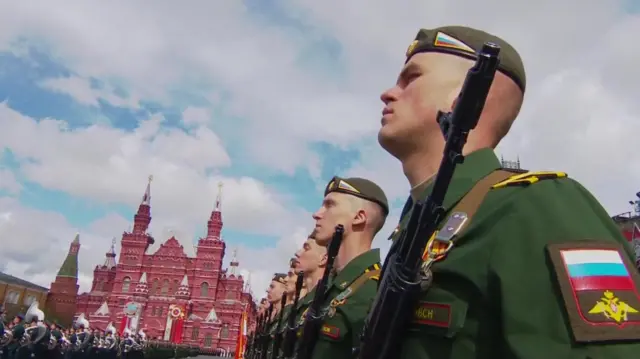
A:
(272, 98)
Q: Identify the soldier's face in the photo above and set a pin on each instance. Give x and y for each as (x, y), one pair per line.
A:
(336, 209)
(310, 256)
(274, 294)
(408, 120)
(290, 281)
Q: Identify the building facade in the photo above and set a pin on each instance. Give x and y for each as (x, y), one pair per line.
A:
(18, 294)
(167, 294)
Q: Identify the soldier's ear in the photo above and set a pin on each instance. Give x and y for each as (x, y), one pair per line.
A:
(323, 261)
(360, 218)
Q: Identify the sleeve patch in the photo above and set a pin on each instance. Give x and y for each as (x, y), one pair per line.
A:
(436, 314)
(599, 285)
(331, 331)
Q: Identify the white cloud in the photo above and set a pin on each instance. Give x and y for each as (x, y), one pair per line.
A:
(110, 165)
(9, 182)
(196, 116)
(48, 235)
(82, 92)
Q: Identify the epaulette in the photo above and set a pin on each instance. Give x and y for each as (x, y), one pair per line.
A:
(528, 178)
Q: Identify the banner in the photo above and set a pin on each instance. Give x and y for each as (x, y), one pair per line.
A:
(175, 324)
(242, 336)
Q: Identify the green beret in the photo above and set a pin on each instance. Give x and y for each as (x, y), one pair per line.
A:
(466, 42)
(279, 277)
(359, 187)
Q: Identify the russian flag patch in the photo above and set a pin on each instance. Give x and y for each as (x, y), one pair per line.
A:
(599, 285)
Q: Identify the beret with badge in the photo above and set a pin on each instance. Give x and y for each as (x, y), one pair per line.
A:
(359, 187)
(466, 42)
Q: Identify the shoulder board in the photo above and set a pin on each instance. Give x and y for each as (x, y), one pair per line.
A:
(525, 179)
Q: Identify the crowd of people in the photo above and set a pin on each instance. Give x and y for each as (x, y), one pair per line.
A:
(30, 336)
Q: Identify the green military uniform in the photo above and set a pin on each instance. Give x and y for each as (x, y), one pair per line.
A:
(507, 288)
(301, 311)
(349, 298)
(351, 291)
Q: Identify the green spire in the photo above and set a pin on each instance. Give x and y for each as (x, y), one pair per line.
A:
(69, 267)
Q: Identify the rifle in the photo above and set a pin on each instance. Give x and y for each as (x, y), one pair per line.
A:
(289, 344)
(404, 269)
(252, 339)
(259, 333)
(266, 337)
(313, 318)
(277, 340)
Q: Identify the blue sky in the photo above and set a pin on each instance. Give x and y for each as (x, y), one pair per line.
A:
(272, 98)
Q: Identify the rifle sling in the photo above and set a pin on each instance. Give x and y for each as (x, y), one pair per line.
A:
(470, 203)
(373, 272)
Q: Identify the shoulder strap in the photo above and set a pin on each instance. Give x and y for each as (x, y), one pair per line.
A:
(371, 273)
(470, 203)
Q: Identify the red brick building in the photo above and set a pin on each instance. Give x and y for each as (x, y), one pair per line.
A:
(167, 294)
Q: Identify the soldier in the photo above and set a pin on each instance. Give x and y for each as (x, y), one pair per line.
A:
(83, 338)
(4, 335)
(17, 332)
(274, 297)
(539, 270)
(109, 349)
(55, 347)
(289, 293)
(310, 259)
(361, 207)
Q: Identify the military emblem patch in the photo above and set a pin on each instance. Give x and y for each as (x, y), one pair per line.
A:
(411, 47)
(436, 314)
(444, 40)
(599, 285)
(330, 331)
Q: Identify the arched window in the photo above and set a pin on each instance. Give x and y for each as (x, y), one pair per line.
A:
(174, 287)
(126, 282)
(99, 286)
(208, 339)
(12, 297)
(28, 300)
(165, 287)
(195, 333)
(231, 295)
(154, 286)
(204, 289)
(224, 332)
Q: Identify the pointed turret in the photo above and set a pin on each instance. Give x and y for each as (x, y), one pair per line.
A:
(110, 256)
(212, 317)
(234, 263)
(214, 226)
(103, 310)
(69, 267)
(183, 289)
(143, 287)
(142, 218)
(247, 285)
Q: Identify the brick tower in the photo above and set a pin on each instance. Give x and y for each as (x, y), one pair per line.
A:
(61, 301)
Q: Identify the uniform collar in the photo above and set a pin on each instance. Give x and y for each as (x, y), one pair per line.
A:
(476, 166)
(356, 267)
